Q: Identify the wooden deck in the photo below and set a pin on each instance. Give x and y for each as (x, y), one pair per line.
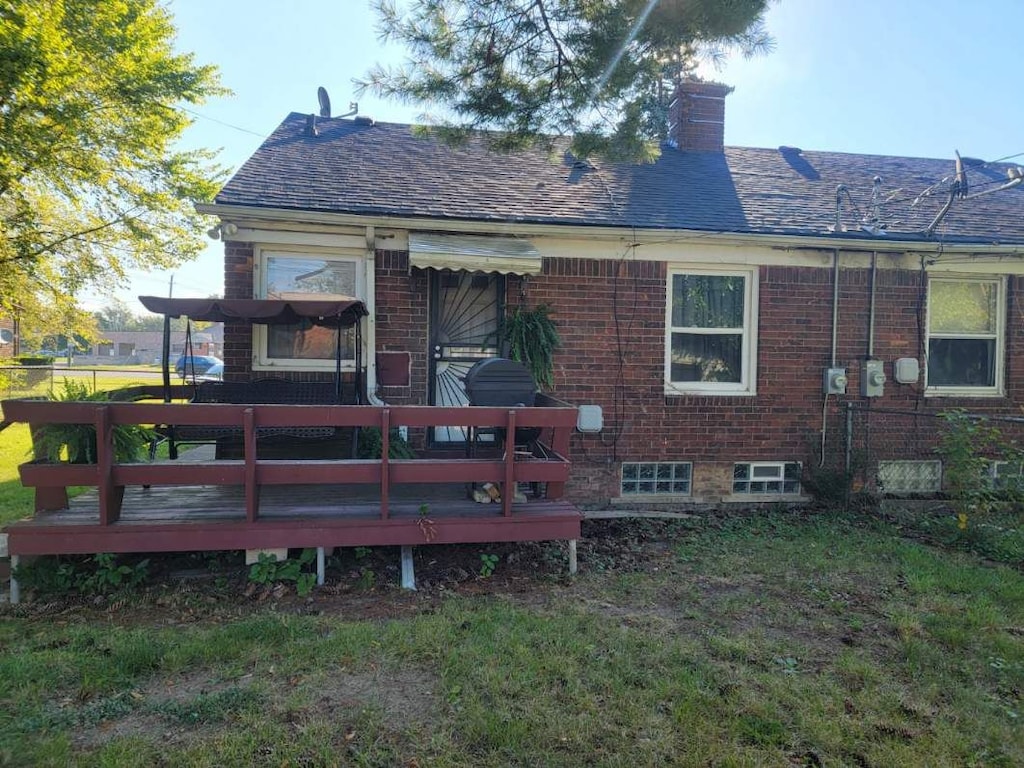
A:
(255, 503)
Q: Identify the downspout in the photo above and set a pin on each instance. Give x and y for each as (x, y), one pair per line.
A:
(871, 306)
(835, 344)
(370, 337)
(835, 303)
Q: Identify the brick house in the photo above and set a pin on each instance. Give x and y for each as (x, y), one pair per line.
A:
(720, 305)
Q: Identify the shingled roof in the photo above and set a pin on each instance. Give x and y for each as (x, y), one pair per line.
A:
(389, 169)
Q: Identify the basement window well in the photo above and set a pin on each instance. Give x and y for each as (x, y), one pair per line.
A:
(656, 478)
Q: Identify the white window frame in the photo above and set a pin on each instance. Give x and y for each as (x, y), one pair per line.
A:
(747, 385)
(261, 361)
(998, 389)
(777, 475)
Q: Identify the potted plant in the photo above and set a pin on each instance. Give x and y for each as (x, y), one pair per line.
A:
(76, 443)
(531, 338)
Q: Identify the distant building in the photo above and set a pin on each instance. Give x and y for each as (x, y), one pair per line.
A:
(128, 347)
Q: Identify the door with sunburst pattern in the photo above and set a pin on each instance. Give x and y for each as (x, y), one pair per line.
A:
(465, 317)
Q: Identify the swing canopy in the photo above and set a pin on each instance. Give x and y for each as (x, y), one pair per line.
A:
(334, 313)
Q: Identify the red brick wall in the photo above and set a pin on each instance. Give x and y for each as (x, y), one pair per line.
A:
(611, 317)
(238, 336)
(402, 306)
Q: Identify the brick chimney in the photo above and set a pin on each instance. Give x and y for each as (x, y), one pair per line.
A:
(696, 116)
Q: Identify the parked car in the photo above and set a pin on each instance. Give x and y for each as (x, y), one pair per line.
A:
(196, 365)
(214, 373)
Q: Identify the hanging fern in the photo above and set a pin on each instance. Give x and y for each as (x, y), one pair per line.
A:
(532, 339)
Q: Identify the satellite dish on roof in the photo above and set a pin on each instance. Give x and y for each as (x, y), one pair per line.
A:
(6, 336)
(325, 101)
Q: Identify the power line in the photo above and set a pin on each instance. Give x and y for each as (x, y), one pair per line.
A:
(221, 122)
(211, 119)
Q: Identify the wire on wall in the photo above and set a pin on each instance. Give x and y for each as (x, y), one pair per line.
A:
(621, 334)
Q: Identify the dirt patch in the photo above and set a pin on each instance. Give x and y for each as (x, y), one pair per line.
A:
(404, 696)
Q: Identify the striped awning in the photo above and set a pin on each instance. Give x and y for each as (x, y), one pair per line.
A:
(505, 255)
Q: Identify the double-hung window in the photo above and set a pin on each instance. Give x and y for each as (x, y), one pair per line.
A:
(711, 344)
(966, 322)
(306, 275)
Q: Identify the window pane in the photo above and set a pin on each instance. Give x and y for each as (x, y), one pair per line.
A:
(769, 472)
(291, 277)
(707, 301)
(308, 342)
(699, 357)
(299, 278)
(961, 363)
(962, 307)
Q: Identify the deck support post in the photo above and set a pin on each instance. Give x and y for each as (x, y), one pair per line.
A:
(321, 566)
(408, 574)
(15, 587)
(572, 557)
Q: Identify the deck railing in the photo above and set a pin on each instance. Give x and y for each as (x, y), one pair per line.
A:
(110, 477)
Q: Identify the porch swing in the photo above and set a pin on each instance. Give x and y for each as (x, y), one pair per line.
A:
(337, 314)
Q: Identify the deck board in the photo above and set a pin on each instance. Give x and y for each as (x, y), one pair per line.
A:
(196, 518)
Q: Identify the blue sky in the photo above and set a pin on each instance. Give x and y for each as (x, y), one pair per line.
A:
(904, 77)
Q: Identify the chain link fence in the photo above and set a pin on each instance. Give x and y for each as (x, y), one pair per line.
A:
(21, 381)
(889, 452)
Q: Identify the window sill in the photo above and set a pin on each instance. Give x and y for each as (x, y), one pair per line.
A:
(763, 498)
(651, 498)
(676, 392)
(964, 393)
(305, 365)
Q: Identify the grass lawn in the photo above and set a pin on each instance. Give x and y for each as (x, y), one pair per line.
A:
(774, 639)
(16, 501)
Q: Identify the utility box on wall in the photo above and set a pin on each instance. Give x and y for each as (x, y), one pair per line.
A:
(872, 380)
(393, 369)
(835, 381)
(907, 370)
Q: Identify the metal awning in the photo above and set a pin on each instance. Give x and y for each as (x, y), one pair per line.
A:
(506, 255)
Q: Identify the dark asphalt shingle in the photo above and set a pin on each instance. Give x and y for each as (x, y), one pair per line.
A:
(387, 169)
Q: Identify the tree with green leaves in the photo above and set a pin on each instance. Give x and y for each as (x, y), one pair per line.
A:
(601, 71)
(91, 182)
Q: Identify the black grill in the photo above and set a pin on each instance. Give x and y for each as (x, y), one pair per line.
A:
(501, 383)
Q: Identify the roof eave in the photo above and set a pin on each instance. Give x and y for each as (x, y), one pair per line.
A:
(844, 241)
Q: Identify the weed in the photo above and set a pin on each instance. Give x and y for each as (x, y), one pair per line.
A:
(970, 448)
(269, 570)
(367, 578)
(426, 525)
(100, 574)
(362, 553)
(488, 563)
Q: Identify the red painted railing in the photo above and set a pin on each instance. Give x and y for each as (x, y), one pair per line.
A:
(110, 478)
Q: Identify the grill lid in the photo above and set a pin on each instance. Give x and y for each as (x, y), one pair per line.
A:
(498, 382)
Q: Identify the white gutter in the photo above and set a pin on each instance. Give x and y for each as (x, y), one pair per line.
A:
(370, 337)
(625, 234)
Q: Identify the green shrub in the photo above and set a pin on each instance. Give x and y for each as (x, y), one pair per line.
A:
(77, 442)
(33, 360)
(371, 445)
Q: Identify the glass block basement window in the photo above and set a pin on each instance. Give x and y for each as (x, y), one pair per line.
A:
(766, 477)
(666, 477)
(910, 476)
